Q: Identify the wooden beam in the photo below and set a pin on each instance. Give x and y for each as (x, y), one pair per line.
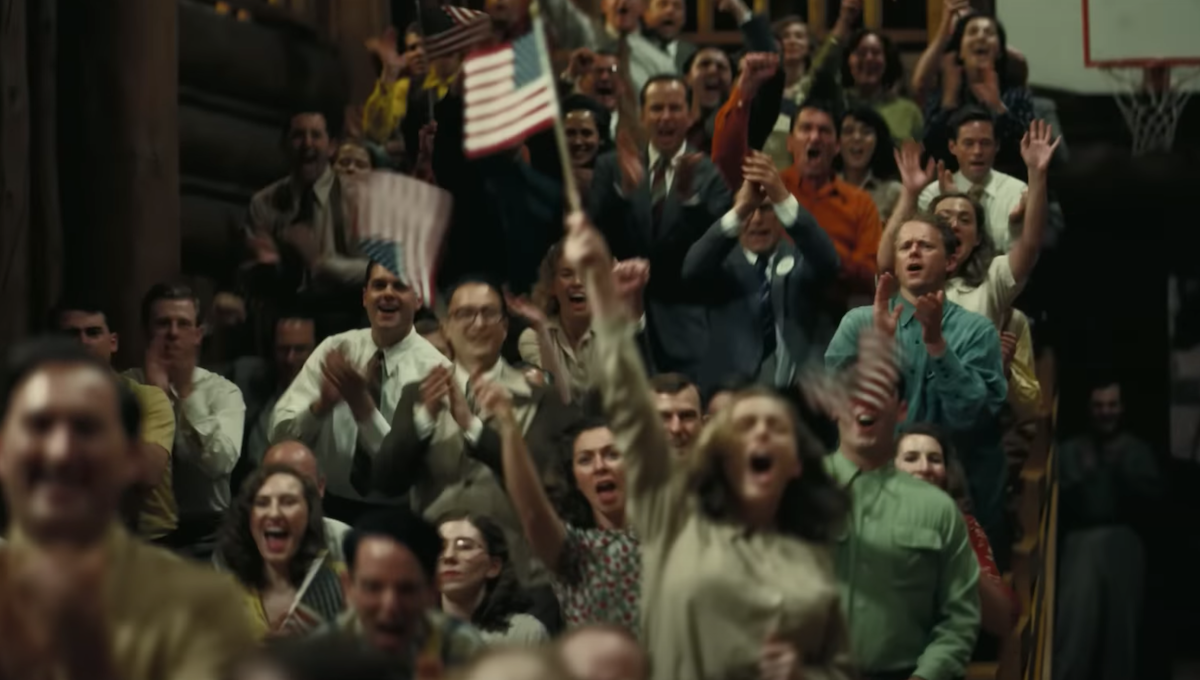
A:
(704, 17)
(816, 17)
(14, 172)
(46, 244)
(933, 16)
(350, 24)
(125, 231)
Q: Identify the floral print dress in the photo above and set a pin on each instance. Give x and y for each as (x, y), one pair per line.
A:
(599, 580)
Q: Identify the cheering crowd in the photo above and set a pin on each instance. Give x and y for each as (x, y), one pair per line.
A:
(751, 412)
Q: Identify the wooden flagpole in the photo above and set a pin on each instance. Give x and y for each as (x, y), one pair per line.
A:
(429, 94)
(560, 134)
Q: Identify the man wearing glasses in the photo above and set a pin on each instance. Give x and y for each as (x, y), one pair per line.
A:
(442, 448)
(340, 405)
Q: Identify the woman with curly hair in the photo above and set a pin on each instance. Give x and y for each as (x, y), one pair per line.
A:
(583, 536)
(478, 583)
(273, 541)
(925, 452)
(737, 578)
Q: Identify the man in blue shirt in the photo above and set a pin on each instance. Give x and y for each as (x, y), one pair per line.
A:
(950, 358)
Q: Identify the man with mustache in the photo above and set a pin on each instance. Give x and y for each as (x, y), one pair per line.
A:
(81, 599)
(341, 403)
(664, 21)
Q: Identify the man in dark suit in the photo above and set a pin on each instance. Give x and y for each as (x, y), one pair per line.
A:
(441, 451)
(763, 287)
(654, 203)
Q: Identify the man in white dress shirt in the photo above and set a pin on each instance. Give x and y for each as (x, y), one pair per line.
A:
(439, 445)
(209, 415)
(974, 145)
(341, 403)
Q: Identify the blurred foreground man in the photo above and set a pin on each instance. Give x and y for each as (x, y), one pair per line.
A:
(79, 597)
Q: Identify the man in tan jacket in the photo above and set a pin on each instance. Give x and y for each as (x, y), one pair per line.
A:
(79, 597)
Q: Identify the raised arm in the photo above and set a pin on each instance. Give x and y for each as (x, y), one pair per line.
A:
(1037, 149)
(546, 356)
(656, 499)
(924, 76)
(545, 531)
(913, 180)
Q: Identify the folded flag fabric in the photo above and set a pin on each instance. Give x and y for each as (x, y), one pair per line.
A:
(508, 96)
(449, 30)
(401, 223)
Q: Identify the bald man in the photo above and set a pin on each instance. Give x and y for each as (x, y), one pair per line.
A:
(300, 458)
(603, 652)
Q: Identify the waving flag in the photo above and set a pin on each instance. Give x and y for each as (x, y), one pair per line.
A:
(401, 224)
(509, 96)
(449, 30)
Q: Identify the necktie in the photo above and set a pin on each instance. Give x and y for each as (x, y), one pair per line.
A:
(360, 469)
(976, 193)
(766, 313)
(658, 187)
(308, 207)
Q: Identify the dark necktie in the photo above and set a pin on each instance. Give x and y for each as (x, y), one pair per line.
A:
(766, 313)
(308, 207)
(658, 187)
(360, 469)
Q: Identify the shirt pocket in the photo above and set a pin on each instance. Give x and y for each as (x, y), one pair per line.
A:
(918, 554)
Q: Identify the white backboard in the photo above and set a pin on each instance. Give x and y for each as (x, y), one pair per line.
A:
(1059, 42)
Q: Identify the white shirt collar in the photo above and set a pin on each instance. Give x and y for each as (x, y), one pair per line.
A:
(499, 373)
(393, 354)
(964, 184)
(321, 187)
(654, 155)
(753, 258)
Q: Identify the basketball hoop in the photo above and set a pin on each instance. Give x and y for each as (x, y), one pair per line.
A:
(1151, 98)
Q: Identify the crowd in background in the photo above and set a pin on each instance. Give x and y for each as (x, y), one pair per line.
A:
(756, 411)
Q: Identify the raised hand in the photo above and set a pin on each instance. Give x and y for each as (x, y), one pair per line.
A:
(435, 390)
(263, 249)
(757, 68)
(946, 183)
(385, 47)
(523, 307)
(928, 313)
(630, 278)
(748, 198)
(1008, 350)
(1017, 214)
(760, 169)
(156, 366)
(1036, 146)
(581, 63)
(951, 10)
(629, 162)
(584, 248)
(349, 383)
(912, 175)
(685, 174)
(886, 319)
(985, 85)
(494, 401)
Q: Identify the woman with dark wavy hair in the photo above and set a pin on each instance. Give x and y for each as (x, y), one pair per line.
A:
(873, 75)
(583, 534)
(478, 583)
(737, 577)
(273, 541)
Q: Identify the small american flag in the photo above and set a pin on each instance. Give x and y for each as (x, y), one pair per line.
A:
(453, 29)
(401, 223)
(509, 96)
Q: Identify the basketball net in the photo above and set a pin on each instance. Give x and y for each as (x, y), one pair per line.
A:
(1151, 99)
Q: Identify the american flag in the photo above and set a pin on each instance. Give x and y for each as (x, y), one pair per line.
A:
(453, 29)
(509, 96)
(401, 223)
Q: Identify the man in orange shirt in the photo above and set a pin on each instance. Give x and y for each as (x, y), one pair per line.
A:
(845, 212)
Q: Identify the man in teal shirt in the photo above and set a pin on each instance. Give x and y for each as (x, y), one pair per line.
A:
(950, 359)
(908, 579)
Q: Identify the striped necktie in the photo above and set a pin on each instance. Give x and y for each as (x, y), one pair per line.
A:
(360, 468)
(765, 311)
(658, 187)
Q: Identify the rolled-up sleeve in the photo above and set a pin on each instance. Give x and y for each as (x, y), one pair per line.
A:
(215, 424)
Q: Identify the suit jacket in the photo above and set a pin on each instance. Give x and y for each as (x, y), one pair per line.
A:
(718, 263)
(443, 472)
(683, 53)
(677, 321)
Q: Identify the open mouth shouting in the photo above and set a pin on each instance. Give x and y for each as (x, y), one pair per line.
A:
(761, 463)
(387, 310)
(276, 540)
(607, 492)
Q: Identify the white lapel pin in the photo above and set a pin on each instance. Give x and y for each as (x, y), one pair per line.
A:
(785, 265)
